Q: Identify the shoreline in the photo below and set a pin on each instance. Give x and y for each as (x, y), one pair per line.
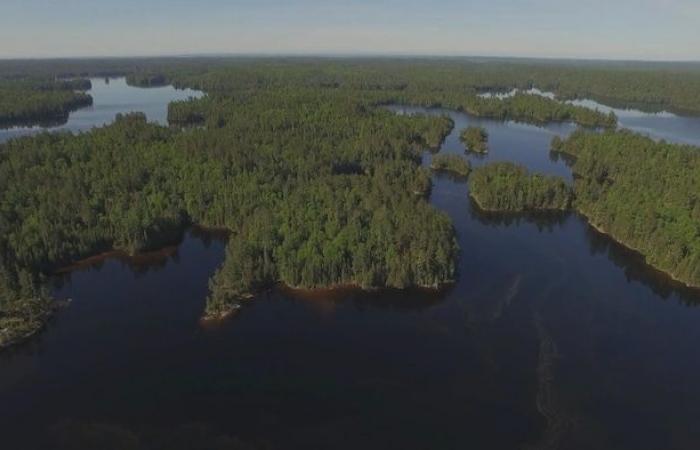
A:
(642, 257)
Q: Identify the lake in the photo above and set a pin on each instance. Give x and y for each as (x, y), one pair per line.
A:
(112, 96)
(552, 337)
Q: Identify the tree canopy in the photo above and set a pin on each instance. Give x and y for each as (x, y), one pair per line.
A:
(509, 187)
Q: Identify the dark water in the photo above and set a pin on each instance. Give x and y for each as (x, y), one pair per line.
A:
(109, 99)
(553, 337)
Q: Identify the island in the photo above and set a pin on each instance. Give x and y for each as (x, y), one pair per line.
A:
(475, 139)
(454, 164)
(508, 187)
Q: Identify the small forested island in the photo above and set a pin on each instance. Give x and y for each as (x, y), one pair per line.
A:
(508, 187)
(454, 164)
(643, 193)
(32, 102)
(475, 139)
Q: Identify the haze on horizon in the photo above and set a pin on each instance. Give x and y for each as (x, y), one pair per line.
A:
(605, 29)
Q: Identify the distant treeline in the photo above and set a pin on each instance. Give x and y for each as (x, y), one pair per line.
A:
(653, 86)
(508, 187)
(645, 194)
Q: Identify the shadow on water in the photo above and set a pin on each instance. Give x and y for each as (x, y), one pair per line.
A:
(636, 268)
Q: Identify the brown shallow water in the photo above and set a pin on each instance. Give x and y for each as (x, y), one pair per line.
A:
(553, 336)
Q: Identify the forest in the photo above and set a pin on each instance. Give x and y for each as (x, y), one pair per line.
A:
(324, 194)
(475, 139)
(645, 194)
(508, 187)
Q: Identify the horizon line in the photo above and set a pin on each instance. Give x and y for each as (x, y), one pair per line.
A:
(345, 55)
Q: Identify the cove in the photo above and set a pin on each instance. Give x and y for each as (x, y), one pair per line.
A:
(550, 336)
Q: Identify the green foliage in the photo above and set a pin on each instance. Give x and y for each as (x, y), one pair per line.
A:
(317, 187)
(645, 194)
(475, 139)
(451, 163)
(142, 79)
(509, 187)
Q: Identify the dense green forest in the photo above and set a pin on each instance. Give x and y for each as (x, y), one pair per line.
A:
(508, 187)
(475, 139)
(31, 102)
(317, 187)
(451, 163)
(645, 194)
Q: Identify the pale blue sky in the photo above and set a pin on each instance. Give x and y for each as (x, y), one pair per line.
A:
(617, 29)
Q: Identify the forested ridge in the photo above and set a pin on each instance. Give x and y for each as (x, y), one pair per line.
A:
(643, 193)
(508, 187)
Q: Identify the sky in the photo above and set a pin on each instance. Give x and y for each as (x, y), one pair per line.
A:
(606, 29)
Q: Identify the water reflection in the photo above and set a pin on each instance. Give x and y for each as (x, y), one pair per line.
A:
(636, 269)
(543, 220)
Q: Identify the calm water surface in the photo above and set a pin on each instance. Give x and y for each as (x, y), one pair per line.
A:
(553, 337)
(111, 97)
